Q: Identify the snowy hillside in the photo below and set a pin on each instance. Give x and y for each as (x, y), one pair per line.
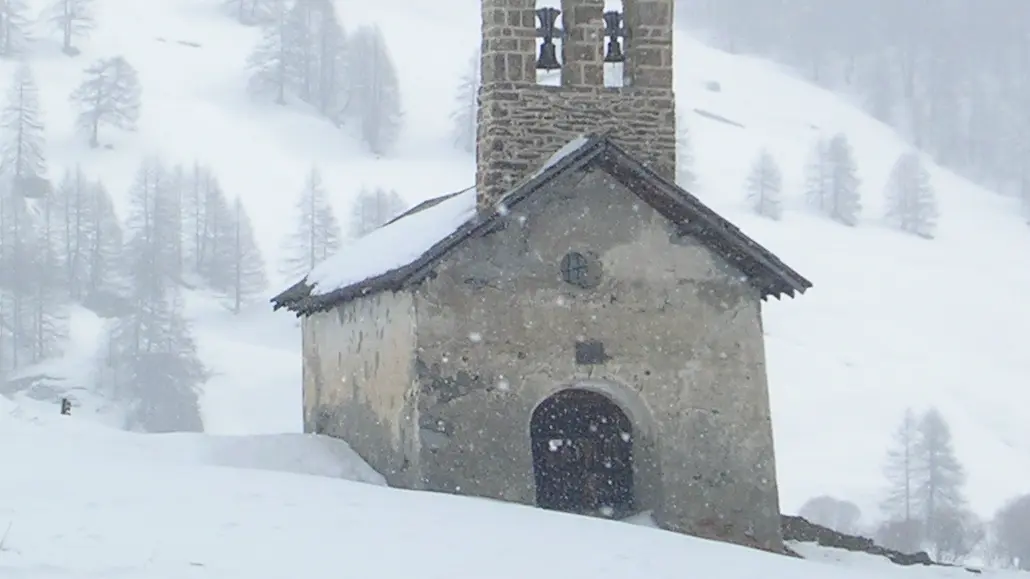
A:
(76, 501)
(892, 321)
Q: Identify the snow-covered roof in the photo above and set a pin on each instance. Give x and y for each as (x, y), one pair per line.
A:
(404, 250)
(393, 245)
(409, 237)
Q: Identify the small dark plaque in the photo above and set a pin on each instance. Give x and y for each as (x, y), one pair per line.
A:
(590, 352)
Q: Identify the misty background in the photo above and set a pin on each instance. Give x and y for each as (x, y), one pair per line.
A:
(952, 76)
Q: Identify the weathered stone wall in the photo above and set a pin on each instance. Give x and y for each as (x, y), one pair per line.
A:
(497, 330)
(358, 381)
(521, 123)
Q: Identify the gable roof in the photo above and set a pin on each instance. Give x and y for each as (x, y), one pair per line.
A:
(404, 251)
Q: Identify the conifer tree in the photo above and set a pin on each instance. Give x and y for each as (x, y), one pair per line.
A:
(375, 90)
(832, 186)
(151, 364)
(1012, 530)
(373, 208)
(105, 243)
(317, 68)
(151, 360)
(764, 186)
(818, 177)
(845, 196)
(925, 502)
(273, 61)
(74, 207)
(466, 107)
(31, 312)
(248, 266)
(73, 19)
(911, 202)
(14, 27)
(317, 236)
(109, 94)
(216, 267)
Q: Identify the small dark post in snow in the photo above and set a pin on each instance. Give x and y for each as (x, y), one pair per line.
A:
(66, 407)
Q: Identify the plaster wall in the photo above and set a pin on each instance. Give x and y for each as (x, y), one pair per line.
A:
(497, 332)
(359, 362)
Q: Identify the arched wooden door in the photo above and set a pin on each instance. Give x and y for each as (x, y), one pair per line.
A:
(582, 446)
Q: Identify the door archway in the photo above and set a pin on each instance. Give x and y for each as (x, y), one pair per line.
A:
(582, 445)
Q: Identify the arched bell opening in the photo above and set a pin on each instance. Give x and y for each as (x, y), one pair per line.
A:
(582, 445)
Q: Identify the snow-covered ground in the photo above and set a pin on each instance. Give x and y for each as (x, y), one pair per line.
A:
(79, 501)
(892, 321)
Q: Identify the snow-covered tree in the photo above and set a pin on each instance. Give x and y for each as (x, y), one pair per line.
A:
(911, 202)
(89, 236)
(900, 470)
(764, 186)
(333, 92)
(318, 65)
(73, 19)
(317, 236)
(218, 241)
(372, 208)
(466, 107)
(940, 477)
(22, 155)
(49, 317)
(105, 243)
(903, 530)
(154, 225)
(27, 266)
(818, 177)
(832, 186)
(109, 95)
(72, 205)
(273, 60)
(14, 27)
(150, 364)
(150, 361)
(1012, 530)
(200, 182)
(925, 503)
(248, 266)
(375, 90)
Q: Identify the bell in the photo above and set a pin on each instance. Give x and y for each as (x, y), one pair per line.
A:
(614, 51)
(548, 59)
(613, 30)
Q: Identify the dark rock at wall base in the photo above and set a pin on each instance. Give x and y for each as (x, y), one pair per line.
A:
(800, 530)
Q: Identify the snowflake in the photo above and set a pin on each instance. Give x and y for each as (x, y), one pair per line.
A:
(476, 337)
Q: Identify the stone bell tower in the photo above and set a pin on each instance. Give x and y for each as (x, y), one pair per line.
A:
(522, 120)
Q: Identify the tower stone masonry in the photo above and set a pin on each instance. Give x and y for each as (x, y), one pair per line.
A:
(522, 122)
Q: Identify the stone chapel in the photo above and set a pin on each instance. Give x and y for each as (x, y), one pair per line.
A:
(575, 331)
